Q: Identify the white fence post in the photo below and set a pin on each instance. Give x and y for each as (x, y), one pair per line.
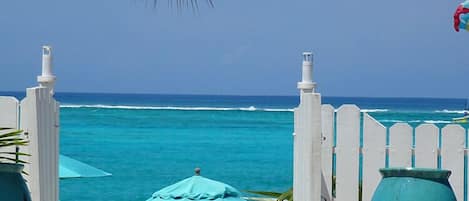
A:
(307, 138)
(39, 121)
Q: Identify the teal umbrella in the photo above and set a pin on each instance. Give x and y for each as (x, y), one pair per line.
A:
(71, 168)
(197, 188)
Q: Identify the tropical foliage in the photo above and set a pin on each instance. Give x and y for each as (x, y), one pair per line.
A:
(182, 4)
(287, 195)
(11, 138)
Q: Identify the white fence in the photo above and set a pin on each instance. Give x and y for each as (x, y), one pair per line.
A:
(38, 116)
(350, 146)
(357, 135)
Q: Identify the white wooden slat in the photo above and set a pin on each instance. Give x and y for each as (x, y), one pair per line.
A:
(38, 119)
(426, 146)
(9, 112)
(452, 156)
(374, 155)
(29, 126)
(327, 121)
(347, 148)
(400, 145)
(307, 148)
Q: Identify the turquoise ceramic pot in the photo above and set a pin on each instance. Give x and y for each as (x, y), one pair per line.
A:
(12, 184)
(414, 184)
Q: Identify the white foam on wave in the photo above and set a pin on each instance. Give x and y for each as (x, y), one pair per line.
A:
(374, 110)
(369, 110)
(128, 107)
(391, 120)
(416, 121)
(451, 111)
(437, 122)
(250, 108)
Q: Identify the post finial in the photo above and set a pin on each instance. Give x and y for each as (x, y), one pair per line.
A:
(47, 78)
(197, 171)
(307, 84)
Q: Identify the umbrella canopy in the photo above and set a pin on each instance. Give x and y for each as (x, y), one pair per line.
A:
(197, 188)
(71, 168)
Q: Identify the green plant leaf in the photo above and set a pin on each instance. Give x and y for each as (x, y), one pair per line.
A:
(13, 160)
(288, 195)
(266, 193)
(15, 153)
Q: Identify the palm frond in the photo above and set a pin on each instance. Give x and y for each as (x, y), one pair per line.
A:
(181, 5)
(266, 193)
(12, 138)
(15, 160)
(9, 134)
(15, 153)
(287, 195)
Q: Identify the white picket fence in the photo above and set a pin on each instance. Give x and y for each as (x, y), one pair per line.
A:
(351, 147)
(38, 116)
(406, 147)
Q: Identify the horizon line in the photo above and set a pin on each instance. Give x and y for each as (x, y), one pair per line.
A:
(246, 95)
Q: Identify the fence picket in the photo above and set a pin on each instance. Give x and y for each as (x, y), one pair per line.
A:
(327, 143)
(400, 145)
(426, 146)
(347, 147)
(9, 113)
(9, 107)
(452, 156)
(374, 155)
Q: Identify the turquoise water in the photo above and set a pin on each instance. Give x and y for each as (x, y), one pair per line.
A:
(150, 141)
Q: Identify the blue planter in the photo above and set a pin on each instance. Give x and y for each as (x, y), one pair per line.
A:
(12, 184)
(412, 184)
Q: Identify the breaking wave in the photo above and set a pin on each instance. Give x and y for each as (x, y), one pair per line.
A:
(451, 111)
(128, 107)
(374, 110)
(416, 121)
(251, 108)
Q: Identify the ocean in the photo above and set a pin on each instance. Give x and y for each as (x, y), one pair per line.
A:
(150, 141)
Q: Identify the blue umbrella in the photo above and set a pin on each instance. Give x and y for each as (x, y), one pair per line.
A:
(197, 188)
(71, 168)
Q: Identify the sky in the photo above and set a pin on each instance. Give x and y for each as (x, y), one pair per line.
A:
(364, 48)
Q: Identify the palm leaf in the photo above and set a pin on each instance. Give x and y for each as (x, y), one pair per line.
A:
(17, 143)
(179, 5)
(15, 153)
(12, 139)
(288, 195)
(266, 193)
(9, 134)
(13, 160)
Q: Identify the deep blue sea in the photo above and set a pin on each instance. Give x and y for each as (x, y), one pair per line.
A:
(150, 141)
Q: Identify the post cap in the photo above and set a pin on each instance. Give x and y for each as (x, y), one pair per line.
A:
(308, 56)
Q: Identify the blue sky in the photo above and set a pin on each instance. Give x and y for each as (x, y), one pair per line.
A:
(396, 48)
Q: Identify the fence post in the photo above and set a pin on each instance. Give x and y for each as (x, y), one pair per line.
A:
(39, 120)
(307, 138)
